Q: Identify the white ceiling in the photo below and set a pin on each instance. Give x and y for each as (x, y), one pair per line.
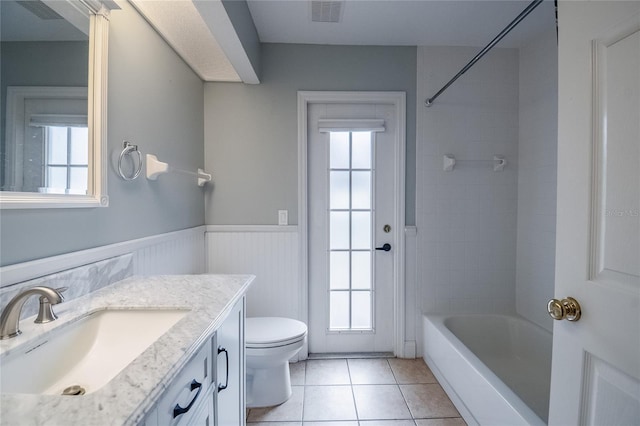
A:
(402, 22)
(197, 46)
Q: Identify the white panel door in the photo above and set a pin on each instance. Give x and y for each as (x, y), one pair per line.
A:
(596, 360)
(351, 174)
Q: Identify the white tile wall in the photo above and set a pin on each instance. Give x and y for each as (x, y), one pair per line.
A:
(466, 218)
(537, 159)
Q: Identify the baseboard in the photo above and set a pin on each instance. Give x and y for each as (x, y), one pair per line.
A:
(410, 349)
(351, 355)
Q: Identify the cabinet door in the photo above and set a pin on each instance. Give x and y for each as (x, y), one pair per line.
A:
(187, 392)
(231, 369)
(204, 416)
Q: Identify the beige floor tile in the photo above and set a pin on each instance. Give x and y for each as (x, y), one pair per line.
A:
(380, 402)
(290, 410)
(455, 421)
(327, 372)
(370, 372)
(297, 370)
(328, 403)
(428, 401)
(354, 423)
(410, 371)
(387, 423)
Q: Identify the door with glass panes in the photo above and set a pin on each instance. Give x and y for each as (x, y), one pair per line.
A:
(351, 150)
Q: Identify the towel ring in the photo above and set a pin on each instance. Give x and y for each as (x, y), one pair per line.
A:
(128, 149)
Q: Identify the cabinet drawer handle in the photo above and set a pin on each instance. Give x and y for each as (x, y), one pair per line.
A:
(178, 410)
(226, 355)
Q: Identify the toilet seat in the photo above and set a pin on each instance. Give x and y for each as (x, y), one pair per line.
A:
(271, 332)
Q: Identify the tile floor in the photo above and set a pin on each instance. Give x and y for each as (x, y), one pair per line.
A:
(361, 392)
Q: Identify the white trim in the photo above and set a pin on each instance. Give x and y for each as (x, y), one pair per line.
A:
(410, 349)
(97, 123)
(413, 325)
(251, 228)
(78, 12)
(303, 227)
(398, 99)
(340, 124)
(20, 272)
(97, 112)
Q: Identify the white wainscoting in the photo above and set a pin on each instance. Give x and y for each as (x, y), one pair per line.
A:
(179, 252)
(269, 252)
(411, 312)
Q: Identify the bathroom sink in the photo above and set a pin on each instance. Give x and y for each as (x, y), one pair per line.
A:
(84, 355)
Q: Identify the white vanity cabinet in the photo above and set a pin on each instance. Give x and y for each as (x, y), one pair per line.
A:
(189, 391)
(209, 391)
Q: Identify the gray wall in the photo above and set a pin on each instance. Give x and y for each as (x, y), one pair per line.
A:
(155, 101)
(251, 130)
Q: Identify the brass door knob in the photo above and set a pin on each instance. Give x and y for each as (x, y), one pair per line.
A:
(568, 309)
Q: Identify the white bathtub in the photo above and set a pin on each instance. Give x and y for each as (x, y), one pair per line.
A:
(495, 368)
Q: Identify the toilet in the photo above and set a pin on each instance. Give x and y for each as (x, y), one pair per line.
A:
(270, 342)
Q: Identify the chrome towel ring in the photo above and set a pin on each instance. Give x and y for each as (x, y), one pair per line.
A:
(127, 150)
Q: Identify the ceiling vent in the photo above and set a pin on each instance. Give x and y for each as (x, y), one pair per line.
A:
(39, 9)
(326, 11)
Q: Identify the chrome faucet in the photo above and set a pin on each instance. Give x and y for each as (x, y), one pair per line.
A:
(10, 318)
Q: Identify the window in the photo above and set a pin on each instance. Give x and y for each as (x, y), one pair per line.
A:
(350, 230)
(66, 164)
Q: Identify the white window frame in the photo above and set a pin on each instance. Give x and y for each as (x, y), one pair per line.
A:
(350, 250)
(17, 121)
(68, 166)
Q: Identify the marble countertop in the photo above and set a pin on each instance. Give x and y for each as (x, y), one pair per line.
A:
(126, 399)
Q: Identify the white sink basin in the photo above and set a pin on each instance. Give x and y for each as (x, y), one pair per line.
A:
(88, 353)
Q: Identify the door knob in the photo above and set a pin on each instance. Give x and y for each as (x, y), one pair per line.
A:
(385, 247)
(568, 309)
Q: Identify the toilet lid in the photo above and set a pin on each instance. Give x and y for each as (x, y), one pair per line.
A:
(273, 331)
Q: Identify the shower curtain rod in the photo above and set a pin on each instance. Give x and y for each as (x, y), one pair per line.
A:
(487, 48)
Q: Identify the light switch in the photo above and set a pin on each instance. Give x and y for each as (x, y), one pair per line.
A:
(283, 217)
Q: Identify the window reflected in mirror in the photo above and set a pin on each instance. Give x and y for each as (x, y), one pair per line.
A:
(44, 136)
(67, 158)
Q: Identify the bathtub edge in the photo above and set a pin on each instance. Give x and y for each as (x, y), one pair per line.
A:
(440, 345)
(451, 393)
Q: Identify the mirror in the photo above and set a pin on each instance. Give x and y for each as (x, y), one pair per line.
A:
(53, 86)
